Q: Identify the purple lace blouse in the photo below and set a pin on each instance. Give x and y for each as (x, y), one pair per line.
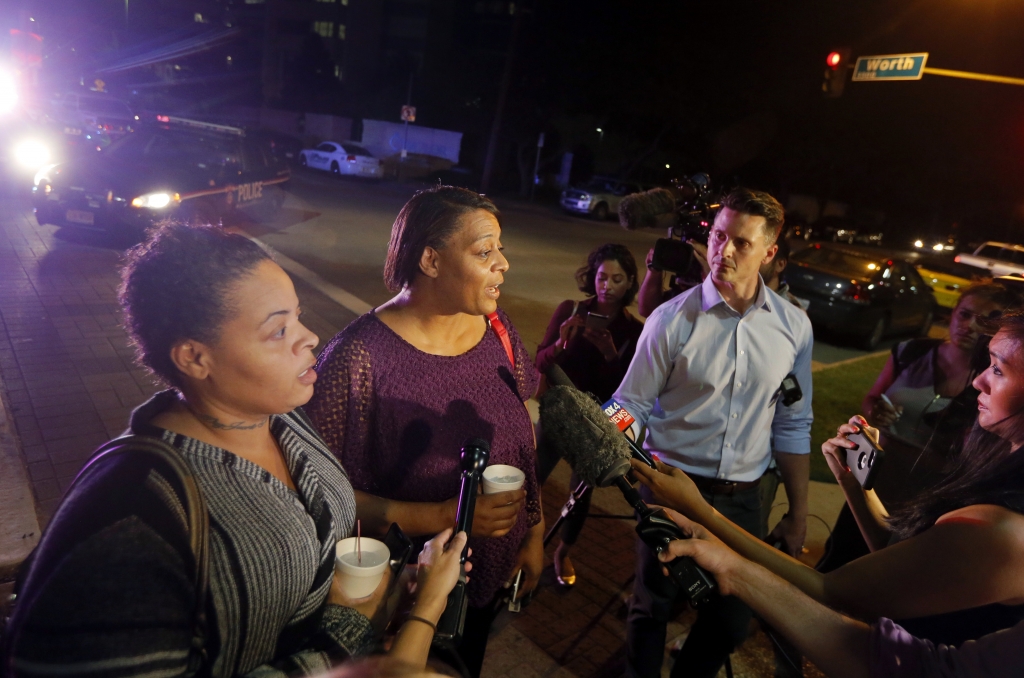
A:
(397, 417)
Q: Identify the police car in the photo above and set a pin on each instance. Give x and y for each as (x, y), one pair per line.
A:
(174, 168)
(346, 158)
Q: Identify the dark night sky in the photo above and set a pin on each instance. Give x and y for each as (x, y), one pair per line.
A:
(734, 88)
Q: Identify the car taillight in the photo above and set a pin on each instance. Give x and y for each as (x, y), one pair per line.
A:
(351, 158)
(957, 258)
(856, 293)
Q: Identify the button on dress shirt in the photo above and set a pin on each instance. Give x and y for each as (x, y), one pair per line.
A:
(706, 381)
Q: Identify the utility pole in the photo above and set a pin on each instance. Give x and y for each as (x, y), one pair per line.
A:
(536, 164)
(408, 102)
(506, 80)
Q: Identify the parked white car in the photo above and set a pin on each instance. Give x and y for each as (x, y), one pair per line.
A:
(346, 158)
(998, 258)
(600, 198)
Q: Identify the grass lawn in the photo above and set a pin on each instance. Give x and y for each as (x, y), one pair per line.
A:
(838, 392)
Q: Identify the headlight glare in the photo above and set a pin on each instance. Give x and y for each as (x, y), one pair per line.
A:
(31, 154)
(156, 201)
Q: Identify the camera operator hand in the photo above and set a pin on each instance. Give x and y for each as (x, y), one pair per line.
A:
(700, 253)
(673, 488)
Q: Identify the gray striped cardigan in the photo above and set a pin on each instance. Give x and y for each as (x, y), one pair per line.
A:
(118, 600)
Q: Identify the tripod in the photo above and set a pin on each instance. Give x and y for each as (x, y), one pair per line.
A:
(572, 505)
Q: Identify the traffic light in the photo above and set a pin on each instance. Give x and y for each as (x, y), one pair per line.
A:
(836, 65)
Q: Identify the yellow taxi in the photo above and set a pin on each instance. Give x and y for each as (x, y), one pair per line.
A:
(948, 278)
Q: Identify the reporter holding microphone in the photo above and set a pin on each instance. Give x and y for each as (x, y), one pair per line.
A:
(838, 645)
(402, 387)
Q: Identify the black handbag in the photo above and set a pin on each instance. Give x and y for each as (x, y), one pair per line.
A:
(166, 458)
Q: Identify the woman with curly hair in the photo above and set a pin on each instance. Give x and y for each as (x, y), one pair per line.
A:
(593, 341)
(113, 588)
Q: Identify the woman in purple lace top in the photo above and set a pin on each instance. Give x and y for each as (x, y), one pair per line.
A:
(403, 387)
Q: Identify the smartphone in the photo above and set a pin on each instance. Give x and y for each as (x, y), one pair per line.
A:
(865, 459)
(400, 548)
(596, 321)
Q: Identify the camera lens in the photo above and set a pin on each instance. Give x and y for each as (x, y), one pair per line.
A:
(861, 459)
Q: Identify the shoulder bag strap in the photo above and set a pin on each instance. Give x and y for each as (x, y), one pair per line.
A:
(196, 515)
(499, 329)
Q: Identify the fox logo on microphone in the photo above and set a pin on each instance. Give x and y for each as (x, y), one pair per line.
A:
(617, 414)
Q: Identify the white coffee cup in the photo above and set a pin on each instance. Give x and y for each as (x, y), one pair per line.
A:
(502, 478)
(360, 579)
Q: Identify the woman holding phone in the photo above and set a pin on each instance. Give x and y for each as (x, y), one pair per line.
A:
(593, 341)
(923, 405)
(952, 572)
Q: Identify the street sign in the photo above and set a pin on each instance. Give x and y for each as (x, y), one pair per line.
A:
(890, 67)
(409, 113)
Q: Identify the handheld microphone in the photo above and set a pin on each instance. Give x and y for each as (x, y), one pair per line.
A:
(655, 208)
(597, 451)
(616, 414)
(473, 460)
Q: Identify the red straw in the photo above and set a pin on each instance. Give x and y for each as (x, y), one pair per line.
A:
(359, 541)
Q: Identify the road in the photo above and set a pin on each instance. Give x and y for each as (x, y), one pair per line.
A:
(340, 230)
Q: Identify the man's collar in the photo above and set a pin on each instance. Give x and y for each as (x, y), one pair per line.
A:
(711, 297)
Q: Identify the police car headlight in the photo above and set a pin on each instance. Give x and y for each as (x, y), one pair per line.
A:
(156, 201)
(31, 154)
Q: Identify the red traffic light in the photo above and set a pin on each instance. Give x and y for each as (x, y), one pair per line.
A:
(833, 60)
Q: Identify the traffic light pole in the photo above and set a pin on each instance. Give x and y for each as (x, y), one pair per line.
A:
(967, 75)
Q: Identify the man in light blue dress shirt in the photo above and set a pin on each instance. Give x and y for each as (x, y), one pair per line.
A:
(706, 381)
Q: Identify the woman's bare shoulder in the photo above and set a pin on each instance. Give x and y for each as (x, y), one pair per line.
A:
(1001, 525)
(989, 514)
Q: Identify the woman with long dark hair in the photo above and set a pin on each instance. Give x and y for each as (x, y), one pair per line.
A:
(405, 385)
(953, 573)
(923, 405)
(593, 341)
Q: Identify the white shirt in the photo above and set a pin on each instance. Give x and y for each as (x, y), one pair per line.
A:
(705, 381)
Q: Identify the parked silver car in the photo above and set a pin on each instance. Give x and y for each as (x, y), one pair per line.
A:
(599, 198)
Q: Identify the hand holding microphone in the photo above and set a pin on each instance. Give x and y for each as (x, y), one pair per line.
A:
(473, 460)
(598, 452)
(671, 487)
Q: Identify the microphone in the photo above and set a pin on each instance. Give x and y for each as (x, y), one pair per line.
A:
(612, 410)
(655, 208)
(597, 451)
(593, 446)
(473, 460)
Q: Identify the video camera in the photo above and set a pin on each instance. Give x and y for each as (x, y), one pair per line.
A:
(686, 211)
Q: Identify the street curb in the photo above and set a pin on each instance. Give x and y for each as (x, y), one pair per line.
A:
(19, 527)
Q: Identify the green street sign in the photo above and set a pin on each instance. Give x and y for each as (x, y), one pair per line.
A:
(890, 67)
